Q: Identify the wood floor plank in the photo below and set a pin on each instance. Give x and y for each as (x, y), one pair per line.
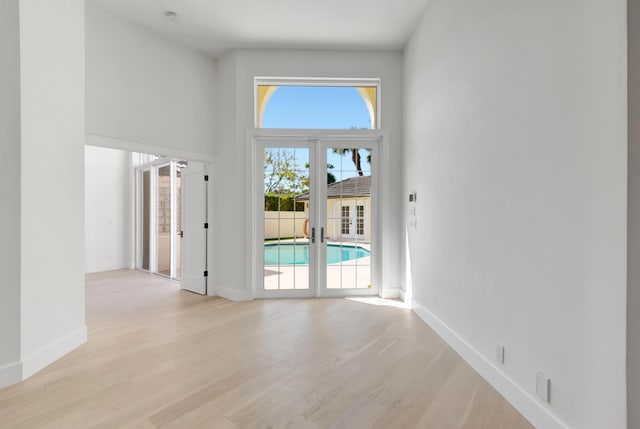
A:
(161, 358)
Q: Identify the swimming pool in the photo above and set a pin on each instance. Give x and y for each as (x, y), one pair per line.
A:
(298, 254)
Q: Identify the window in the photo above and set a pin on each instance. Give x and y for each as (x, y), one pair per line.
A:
(360, 220)
(164, 209)
(318, 104)
(345, 220)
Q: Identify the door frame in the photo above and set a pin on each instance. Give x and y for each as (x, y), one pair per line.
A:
(258, 257)
(279, 137)
(374, 203)
(139, 170)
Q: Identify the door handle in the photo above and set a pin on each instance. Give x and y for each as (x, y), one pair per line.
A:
(322, 235)
(313, 234)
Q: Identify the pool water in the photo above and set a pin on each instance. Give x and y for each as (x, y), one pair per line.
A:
(298, 254)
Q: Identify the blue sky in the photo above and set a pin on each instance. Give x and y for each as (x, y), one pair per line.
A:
(320, 107)
(316, 107)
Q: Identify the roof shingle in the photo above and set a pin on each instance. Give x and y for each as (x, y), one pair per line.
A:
(359, 186)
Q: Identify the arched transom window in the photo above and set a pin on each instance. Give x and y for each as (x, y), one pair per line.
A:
(329, 104)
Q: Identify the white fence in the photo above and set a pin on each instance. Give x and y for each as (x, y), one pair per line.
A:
(283, 224)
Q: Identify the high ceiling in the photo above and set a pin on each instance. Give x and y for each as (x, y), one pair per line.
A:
(213, 26)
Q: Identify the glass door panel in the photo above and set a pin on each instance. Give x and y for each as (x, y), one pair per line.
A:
(177, 201)
(285, 210)
(316, 218)
(145, 234)
(159, 217)
(163, 220)
(348, 239)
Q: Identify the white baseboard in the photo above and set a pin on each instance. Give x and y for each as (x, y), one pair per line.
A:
(232, 294)
(405, 297)
(10, 374)
(20, 371)
(391, 293)
(530, 407)
(52, 352)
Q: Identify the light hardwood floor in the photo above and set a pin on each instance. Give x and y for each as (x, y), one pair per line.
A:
(158, 357)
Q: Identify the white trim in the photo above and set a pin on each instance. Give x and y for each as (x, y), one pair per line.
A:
(258, 137)
(318, 81)
(155, 163)
(526, 404)
(173, 219)
(133, 213)
(392, 293)
(132, 146)
(153, 220)
(373, 142)
(10, 374)
(52, 352)
(258, 145)
(404, 296)
(298, 134)
(137, 221)
(231, 293)
(20, 371)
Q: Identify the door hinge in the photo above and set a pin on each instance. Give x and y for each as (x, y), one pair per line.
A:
(206, 273)
(206, 177)
(181, 234)
(206, 225)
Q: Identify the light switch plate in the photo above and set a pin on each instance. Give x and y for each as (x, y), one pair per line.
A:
(543, 387)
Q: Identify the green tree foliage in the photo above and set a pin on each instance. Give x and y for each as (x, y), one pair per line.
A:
(331, 178)
(283, 180)
(286, 203)
(282, 175)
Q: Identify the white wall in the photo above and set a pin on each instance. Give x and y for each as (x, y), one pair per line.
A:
(633, 304)
(147, 89)
(52, 180)
(515, 131)
(9, 188)
(237, 69)
(107, 209)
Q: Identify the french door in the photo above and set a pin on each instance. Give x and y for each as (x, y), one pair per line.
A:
(171, 221)
(316, 217)
(158, 216)
(352, 220)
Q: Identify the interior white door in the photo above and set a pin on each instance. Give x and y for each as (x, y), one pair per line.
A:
(194, 233)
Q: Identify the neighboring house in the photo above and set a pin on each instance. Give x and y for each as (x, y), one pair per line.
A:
(348, 209)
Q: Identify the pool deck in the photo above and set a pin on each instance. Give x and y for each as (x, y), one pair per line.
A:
(352, 274)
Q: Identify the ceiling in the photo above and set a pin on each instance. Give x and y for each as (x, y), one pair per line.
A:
(214, 26)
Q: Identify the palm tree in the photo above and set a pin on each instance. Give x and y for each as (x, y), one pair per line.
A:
(355, 157)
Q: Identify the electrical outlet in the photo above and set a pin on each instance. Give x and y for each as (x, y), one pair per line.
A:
(543, 387)
(500, 353)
